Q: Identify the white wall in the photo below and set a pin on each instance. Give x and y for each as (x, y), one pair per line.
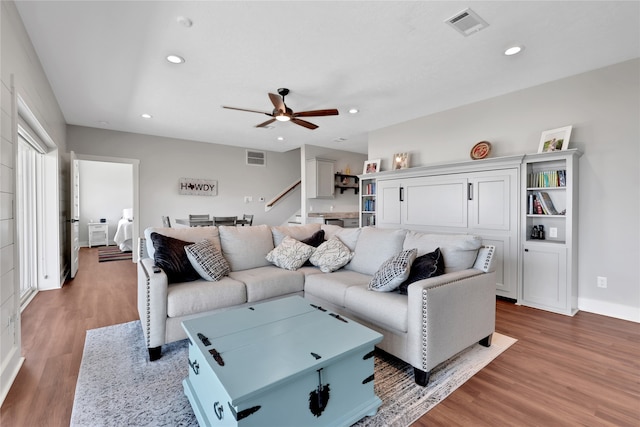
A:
(163, 161)
(604, 108)
(105, 190)
(20, 69)
(346, 202)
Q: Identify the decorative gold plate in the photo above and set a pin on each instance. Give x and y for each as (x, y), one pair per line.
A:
(481, 150)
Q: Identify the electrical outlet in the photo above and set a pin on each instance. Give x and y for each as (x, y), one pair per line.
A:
(553, 232)
(248, 199)
(602, 282)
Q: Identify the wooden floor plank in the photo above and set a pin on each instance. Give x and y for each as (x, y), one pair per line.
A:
(563, 371)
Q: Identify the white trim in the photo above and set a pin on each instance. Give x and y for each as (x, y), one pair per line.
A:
(618, 311)
(135, 163)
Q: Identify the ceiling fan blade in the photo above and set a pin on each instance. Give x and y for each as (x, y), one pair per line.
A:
(304, 123)
(268, 122)
(277, 102)
(317, 113)
(244, 109)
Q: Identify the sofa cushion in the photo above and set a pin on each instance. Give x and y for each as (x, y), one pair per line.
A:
(459, 251)
(331, 255)
(298, 232)
(333, 287)
(290, 254)
(330, 230)
(375, 246)
(189, 234)
(393, 271)
(424, 267)
(268, 282)
(207, 260)
(171, 257)
(348, 236)
(201, 296)
(246, 247)
(387, 309)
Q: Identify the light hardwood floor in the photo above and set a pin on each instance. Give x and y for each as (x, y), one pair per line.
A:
(582, 370)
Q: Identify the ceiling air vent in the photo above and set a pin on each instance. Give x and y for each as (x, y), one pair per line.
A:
(467, 22)
(256, 158)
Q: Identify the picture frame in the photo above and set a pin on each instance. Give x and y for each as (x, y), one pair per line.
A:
(400, 161)
(555, 139)
(371, 166)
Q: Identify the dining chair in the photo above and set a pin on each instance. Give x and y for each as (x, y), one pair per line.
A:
(166, 222)
(225, 220)
(203, 217)
(247, 219)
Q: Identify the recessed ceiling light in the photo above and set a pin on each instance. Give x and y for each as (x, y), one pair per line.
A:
(280, 138)
(184, 21)
(513, 50)
(146, 116)
(353, 110)
(175, 59)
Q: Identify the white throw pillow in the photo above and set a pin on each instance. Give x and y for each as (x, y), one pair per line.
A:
(290, 254)
(207, 260)
(393, 271)
(331, 255)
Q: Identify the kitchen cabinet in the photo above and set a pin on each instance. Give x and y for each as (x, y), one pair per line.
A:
(320, 178)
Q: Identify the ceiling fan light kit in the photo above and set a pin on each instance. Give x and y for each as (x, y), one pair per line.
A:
(282, 113)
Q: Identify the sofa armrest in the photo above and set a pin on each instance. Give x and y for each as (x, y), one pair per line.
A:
(152, 302)
(448, 313)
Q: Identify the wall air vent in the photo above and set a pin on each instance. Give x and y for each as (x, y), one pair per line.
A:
(256, 158)
(467, 22)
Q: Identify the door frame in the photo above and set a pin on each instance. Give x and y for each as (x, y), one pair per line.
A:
(135, 163)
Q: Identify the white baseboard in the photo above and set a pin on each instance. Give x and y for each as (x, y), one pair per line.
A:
(8, 376)
(619, 311)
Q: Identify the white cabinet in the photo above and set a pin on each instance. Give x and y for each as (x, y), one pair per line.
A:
(320, 179)
(549, 265)
(475, 202)
(98, 234)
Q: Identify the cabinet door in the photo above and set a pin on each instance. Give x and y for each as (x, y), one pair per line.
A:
(320, 179)
(435, 201)
(388, 204)
(492, 197)
(544, 276)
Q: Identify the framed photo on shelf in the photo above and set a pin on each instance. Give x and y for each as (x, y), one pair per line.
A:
(400, 161)
(555, 139)
(371, 166)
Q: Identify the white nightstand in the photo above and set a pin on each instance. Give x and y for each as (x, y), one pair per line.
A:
(98, 234)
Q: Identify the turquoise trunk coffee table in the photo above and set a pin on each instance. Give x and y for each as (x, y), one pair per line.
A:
(280, 363)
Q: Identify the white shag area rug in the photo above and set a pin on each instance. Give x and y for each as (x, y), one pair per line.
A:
(118, 386)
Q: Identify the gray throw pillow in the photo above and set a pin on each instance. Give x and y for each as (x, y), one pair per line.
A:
(393, 271)
(207, 260)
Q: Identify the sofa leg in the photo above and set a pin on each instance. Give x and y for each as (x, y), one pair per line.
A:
(155, 353)
(422, 377)
(486, 341)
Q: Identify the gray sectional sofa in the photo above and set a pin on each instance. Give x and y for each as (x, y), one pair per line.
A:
(436, 318)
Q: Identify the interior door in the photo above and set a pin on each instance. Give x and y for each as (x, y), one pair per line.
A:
(75, 213)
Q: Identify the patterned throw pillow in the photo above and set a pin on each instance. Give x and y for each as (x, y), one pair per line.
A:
(425, 266)
(290, 254)
(331, 255)
(169, 255)
(207, 260)
(393, 271)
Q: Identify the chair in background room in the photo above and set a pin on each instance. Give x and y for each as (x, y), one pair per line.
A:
(246, 220)
(200, 220)
(225, 220)
(166, 222)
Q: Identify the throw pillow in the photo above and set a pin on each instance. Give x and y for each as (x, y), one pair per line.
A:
(331, 255)
(393, 271)
(169, 255)
(290, 254)
(425, 266)
(207, 260)
(315, 240)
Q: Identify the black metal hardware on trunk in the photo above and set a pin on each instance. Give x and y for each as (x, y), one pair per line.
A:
(319, 398)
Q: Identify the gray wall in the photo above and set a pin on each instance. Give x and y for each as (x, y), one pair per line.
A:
(604, 108)
(163, 161)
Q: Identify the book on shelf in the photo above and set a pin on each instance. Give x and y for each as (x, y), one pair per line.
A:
(552, 178)
(547, 204)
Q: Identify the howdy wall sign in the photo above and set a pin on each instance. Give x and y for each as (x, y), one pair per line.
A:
(198, 187)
